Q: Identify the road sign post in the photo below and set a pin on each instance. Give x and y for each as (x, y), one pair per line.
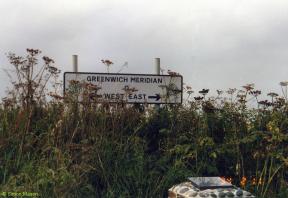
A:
(75, 63)
(130, 88)
(157, 70)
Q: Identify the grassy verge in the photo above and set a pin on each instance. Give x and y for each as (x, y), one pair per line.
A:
(62, 148)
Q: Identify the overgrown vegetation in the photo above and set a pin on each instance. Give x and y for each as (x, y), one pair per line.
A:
(62, 148)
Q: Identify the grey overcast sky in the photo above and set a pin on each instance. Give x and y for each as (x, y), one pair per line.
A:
(214, 44)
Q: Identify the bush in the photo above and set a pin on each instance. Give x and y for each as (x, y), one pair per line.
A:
(62, 148)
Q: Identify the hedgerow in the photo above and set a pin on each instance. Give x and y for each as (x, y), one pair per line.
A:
(60, 147)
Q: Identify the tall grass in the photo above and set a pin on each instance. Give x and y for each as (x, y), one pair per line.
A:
(63, 148)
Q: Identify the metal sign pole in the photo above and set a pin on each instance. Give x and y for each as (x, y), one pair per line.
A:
(75, 69)
(75, 63)
(157, 66)
(157, 71)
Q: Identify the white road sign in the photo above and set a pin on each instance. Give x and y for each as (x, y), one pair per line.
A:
(131, 88)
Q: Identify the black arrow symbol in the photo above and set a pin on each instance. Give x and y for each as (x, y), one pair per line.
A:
(157, 97)
(93, 96)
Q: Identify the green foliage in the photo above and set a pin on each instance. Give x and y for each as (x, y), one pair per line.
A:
(63, 148)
